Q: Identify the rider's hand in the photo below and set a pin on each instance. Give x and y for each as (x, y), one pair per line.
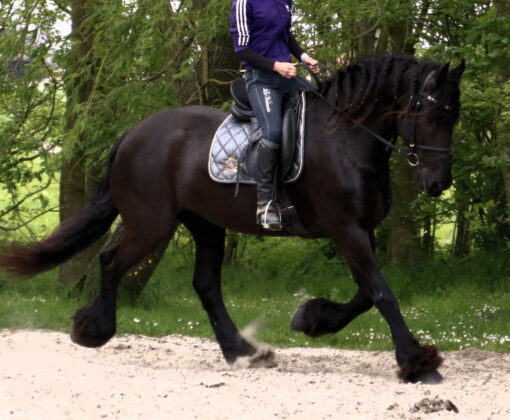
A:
(287, 70)
(310, 62)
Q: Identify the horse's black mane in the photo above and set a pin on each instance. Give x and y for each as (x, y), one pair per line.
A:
(379, 80)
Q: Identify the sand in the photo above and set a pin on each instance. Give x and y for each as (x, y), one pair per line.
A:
(43, 375)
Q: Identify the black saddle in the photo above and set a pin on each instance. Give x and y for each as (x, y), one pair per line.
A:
(291, 117)
(241, 108)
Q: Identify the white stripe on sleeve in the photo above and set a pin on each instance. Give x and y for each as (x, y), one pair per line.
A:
(242, 23)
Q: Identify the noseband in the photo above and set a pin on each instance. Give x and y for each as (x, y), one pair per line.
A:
(414, 106)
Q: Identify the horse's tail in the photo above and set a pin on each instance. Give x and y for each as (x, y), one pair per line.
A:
(71, 236)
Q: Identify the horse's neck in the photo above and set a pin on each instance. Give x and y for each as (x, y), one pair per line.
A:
(366, 148)
(360, 146)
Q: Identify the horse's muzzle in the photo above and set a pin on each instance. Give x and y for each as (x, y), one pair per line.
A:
(433, 182)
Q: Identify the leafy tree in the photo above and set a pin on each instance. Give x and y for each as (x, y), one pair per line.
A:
(31, 110)
(479, 32)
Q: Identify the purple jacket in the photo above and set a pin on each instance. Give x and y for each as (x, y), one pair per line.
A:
(263, 26)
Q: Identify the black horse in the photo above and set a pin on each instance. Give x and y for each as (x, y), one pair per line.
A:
(158, 178)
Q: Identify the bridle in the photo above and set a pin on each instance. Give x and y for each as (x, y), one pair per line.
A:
(414, 106)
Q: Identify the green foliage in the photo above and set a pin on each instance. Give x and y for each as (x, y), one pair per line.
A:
(31, 111)
(480, 35)
(141, 57)
(63, 96)
(454, 304)
(35, 213)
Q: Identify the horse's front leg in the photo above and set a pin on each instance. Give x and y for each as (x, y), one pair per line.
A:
(417, 363)
(210, 244)
(321, 316)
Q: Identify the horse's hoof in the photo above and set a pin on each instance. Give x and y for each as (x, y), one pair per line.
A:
(242, 348)
(308, 318)
(91, 328)
(432, 377)
(422, 366)
(316, 317)
(297, 322)
(263, 358)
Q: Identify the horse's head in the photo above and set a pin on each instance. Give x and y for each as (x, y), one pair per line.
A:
(427, 128)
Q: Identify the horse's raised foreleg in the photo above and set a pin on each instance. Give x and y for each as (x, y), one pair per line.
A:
(210, 244)
(321, 316)
(416, 362)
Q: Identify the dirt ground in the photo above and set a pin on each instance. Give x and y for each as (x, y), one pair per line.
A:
(44, 375)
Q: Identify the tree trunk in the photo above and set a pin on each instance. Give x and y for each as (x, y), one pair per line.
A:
(72, 198)
(217, 66)
(506, 179)
(75, 185)
(428, 235)
(403, 243)
(231, 247)
(366, 41)
(503, 7)
(461, 242)
(504, 150)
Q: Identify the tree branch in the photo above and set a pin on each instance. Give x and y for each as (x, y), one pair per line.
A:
(62, 7)
(26, 222)
(20, 202)
(177, 57)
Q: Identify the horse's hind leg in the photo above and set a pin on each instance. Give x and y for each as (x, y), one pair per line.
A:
(210, 244)
(95, 323)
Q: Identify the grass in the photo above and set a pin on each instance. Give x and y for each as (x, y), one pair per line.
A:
(455, 304)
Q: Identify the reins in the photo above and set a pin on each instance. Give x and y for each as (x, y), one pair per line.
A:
(414, 105)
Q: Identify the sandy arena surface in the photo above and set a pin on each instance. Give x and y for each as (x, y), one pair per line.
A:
(43, 375)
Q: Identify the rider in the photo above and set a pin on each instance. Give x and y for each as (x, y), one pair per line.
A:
(262, 40)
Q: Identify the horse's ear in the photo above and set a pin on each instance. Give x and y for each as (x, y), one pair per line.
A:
(442, 75)
(456, 73)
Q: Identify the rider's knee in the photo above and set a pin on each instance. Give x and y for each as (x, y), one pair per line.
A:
(275, 135)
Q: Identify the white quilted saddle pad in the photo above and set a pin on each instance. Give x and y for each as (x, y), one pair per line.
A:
(229, 145)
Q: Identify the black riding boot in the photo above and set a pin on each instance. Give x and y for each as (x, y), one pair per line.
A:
(268, 213)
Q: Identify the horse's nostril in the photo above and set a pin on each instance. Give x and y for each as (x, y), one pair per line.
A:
(435, 188)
